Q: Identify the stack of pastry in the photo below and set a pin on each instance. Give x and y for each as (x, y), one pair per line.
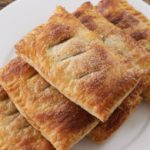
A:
(76, 75)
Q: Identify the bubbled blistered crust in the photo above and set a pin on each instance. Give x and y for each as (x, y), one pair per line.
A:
(73, 60)
(126, 47)
(15, 132)
(132, 22)
(58, 119)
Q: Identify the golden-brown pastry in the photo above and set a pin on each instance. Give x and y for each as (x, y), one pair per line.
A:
(103, 131)
(31, 90)
(126, 17)
(15, 132)
(112, 36)
(131, 21)
(124, 45)
(80, 66)
(59, 120)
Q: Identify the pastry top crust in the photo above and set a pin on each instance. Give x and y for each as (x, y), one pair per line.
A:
(135, 24)
(59, 120)
(113, 37)
(103, 131)
(73, 60)
(126, 17)
(93, 20)
(126, 47)
(16, 130)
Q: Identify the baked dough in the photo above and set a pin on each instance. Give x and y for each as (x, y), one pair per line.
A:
(103, 131)
(112, 36)
(80, 66)
(126, 17)
(19, 78)
(59, 120)
(124, 45)
(132, 22)
(15, 132)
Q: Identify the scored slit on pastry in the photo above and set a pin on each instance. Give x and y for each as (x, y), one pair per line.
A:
(125, 46)
(120, 42)
(60, 58)
(59, 120)
(15, 132)
(131, 21)
(126, 17)
(91, 75)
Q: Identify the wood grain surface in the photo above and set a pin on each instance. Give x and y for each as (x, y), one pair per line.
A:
(147, 1)
(4, 3)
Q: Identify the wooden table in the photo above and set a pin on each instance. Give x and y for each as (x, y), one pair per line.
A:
(3, 3)
(147, 1)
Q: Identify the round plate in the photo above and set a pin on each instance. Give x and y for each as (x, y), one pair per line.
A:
(22, 16)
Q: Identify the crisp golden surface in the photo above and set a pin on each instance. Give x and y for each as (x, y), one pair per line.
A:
(80, 66)
(103, 131)
(48, 111)
(59, 120)
(114, 37)
(125, 46)
(132, 22)
(126, 17)
(15, 132)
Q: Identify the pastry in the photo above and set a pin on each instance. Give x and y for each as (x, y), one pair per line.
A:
(112, 36)
(35, 99)
(103, 131)
(15, 132)
(118, 41)
(126, 17)
(131, 21)
(59, 120)
(78, 64)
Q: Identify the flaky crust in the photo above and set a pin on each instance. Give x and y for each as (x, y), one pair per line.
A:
(59, 120)
(112, 36)
(103, 131)
(126, 47)
(125, 16)
(73, 60)
(132, 22)
(15, 132)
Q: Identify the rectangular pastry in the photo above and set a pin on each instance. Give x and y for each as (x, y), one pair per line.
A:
(103, 131)
(112, 36)
(59, 120)
(78, 64)
(126, 17)
(123, 45)
(43, 106)
(131, 21)
(15, 132)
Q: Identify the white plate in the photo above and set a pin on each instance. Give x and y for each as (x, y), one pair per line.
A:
(22, 16)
